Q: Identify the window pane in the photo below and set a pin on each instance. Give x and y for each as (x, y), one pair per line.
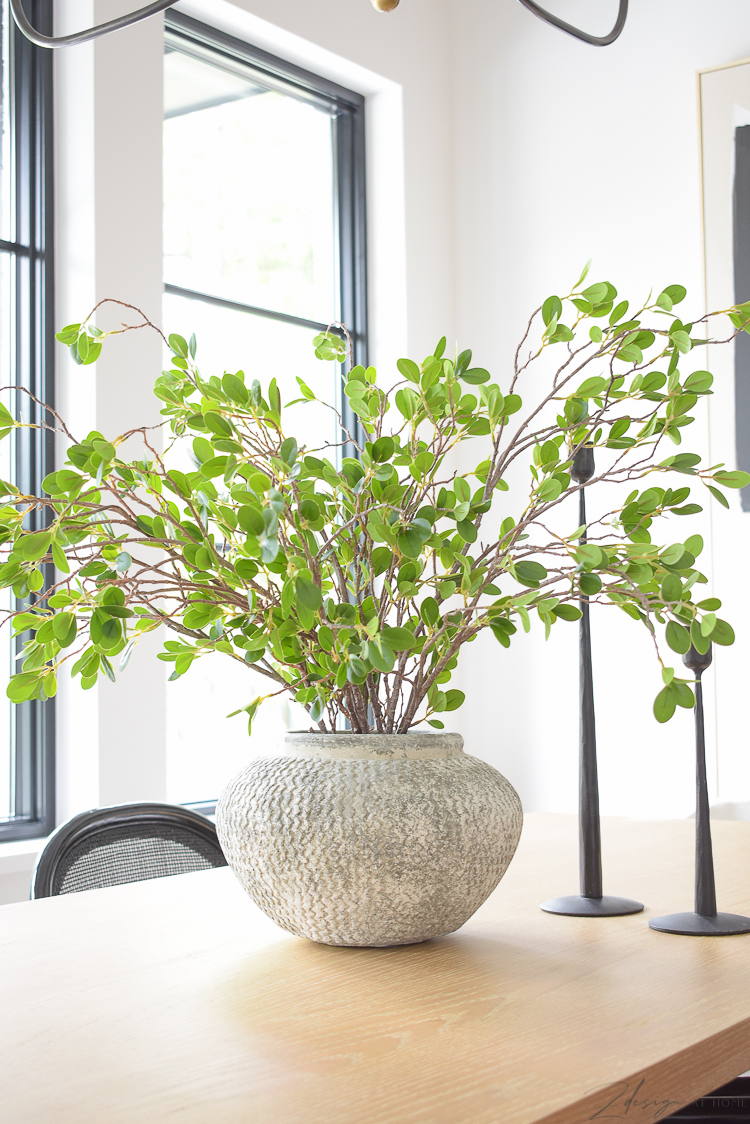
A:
(264, 349)
(204, 748)
(6, 160)
(248, 191)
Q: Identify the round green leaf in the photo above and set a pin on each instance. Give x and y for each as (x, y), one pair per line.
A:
(677, 637)
(665, 704)
(410, 543)
(308, 593)
(399, 639)
(467, 530)
(65, 629)
(383, 449)
(380, 656)
(530, 573)
(430, 611)
(723, 633)
(35, 546)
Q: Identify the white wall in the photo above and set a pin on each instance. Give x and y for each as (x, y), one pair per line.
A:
(567, 152)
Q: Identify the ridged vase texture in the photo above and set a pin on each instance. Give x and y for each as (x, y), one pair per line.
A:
(369, 839)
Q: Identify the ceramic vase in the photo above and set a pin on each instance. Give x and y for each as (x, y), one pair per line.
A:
(369, 839)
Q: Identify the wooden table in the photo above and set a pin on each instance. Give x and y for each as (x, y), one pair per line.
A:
(178, 1001)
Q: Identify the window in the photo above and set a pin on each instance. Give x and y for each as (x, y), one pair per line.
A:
(264, 246)
(26, 343)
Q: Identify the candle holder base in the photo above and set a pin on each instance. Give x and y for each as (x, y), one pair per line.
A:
(577, 906)
(696, 925)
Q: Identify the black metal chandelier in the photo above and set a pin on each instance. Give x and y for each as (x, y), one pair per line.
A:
(83, 36)
(555, 21)
(380, 5)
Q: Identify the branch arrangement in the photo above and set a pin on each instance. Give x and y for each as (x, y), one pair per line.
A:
(353, 586)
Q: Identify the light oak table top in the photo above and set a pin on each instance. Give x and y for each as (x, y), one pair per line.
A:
(177, 1001)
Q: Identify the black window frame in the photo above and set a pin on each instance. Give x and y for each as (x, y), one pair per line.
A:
(348, 109)
(33, 251)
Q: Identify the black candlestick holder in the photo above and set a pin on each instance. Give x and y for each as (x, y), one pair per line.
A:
(704, 921)
(592, 901)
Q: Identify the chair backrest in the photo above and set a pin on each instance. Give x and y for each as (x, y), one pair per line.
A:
(126, 843)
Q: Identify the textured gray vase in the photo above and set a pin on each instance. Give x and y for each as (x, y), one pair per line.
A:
(369, 839)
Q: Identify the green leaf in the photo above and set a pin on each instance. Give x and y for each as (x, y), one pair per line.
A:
(58, 556)
(383, 449)
(665, 704)
(530, 573)
(699, 382)
(289, 451)
(217, 424)
(430, 611)
(454, 699)
(685, 696)
(179, 346)
(567, 612)
(65, 628)
(467, 530)
(410, 542)
(677, 637)
(551, 310)
(22, 687)
(681, 340)
(399, 639)
(250, 710)
(698, 640)
(589, 584)
(407, 402)
(676, 293)
(380, 656)
(591, 387)
(718, 495)
(736, 479)
(308, 593)
(722, 634)
(409, 369)
(550, 490)
(671, 590)
(235, 389)
(475, 376)
(35, 546)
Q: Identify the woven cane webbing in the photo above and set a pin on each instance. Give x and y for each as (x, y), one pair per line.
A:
(133, 853)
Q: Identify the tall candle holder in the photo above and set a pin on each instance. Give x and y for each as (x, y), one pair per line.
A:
(704, 921)
(592, 901)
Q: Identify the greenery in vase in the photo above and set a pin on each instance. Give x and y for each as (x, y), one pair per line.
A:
(352, 583)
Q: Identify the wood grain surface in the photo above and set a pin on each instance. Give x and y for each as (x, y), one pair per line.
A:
(177, 1001)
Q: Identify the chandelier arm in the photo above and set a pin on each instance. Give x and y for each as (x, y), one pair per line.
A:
(83, 36)
(593, 40)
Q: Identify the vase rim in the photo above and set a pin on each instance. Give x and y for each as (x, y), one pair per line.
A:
(345, 745)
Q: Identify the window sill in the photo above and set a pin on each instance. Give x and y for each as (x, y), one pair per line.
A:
(19, 854)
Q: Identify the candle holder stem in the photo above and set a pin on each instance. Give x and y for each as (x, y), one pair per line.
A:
(704, 921)
(589, 827)
(592, 901)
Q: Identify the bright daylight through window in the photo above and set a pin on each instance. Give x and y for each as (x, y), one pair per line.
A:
(263, 248)
(26, 731)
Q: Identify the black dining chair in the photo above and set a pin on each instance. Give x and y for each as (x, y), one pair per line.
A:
(125, 843)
